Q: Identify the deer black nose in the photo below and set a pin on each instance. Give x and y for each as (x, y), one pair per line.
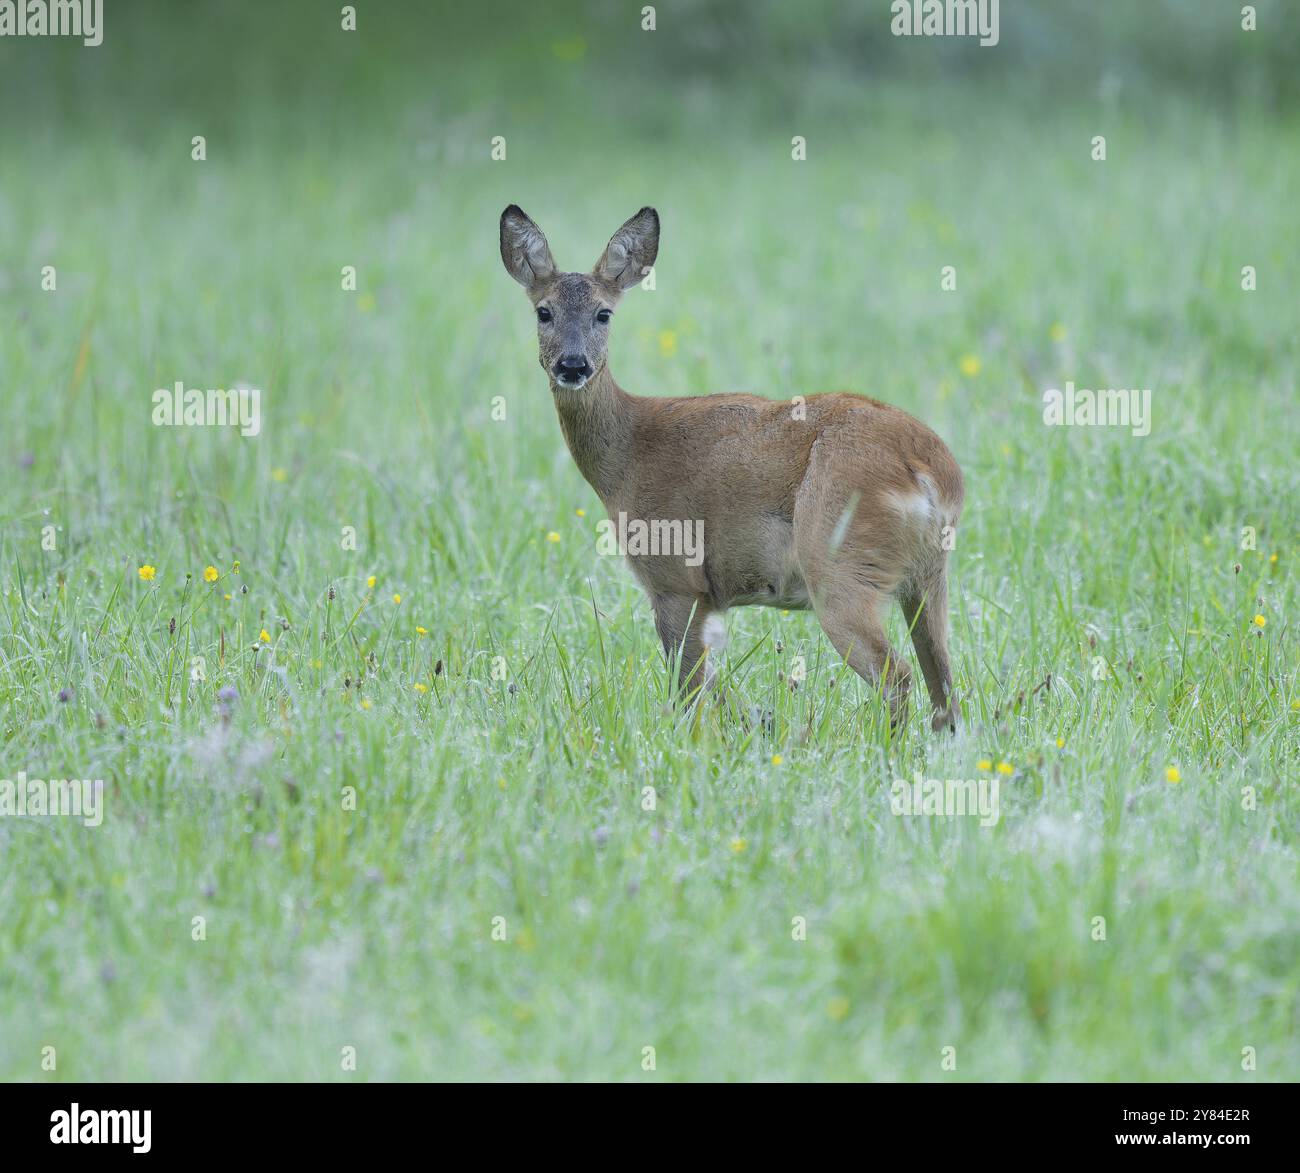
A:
(573, 367)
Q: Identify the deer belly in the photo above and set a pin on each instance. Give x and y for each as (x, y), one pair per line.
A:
(758, 568)
(790, 594)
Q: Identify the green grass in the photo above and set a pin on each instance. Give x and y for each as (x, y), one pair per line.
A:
(523, 797)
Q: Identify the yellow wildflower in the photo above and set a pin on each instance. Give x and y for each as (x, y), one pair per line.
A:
(147, 572)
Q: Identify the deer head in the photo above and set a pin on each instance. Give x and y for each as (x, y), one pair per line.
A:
(574, 309)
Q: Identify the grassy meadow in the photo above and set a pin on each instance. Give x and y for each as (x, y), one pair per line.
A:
(350, 762)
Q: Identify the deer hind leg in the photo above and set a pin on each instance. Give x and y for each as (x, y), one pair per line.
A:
(850, 567)
(853, 617)
(679, 620)
(925, 607)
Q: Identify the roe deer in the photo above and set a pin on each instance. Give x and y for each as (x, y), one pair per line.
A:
(840, 503)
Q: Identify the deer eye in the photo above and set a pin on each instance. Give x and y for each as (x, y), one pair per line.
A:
(603, 316)
(543, 314)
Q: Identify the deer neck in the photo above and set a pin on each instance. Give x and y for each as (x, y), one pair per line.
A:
(597, 421)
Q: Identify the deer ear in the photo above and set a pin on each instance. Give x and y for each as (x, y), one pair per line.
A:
(524, 251)
(630, 252)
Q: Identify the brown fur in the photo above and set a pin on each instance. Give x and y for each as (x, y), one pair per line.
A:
(842, 510)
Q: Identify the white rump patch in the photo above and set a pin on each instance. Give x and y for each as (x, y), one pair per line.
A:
(913, 505)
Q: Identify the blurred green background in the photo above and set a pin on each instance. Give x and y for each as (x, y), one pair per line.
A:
(522, 797)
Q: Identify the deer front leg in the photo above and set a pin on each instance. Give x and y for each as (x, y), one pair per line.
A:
(680, 619)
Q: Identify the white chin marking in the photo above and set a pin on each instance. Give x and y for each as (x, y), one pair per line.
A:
(572, 386)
